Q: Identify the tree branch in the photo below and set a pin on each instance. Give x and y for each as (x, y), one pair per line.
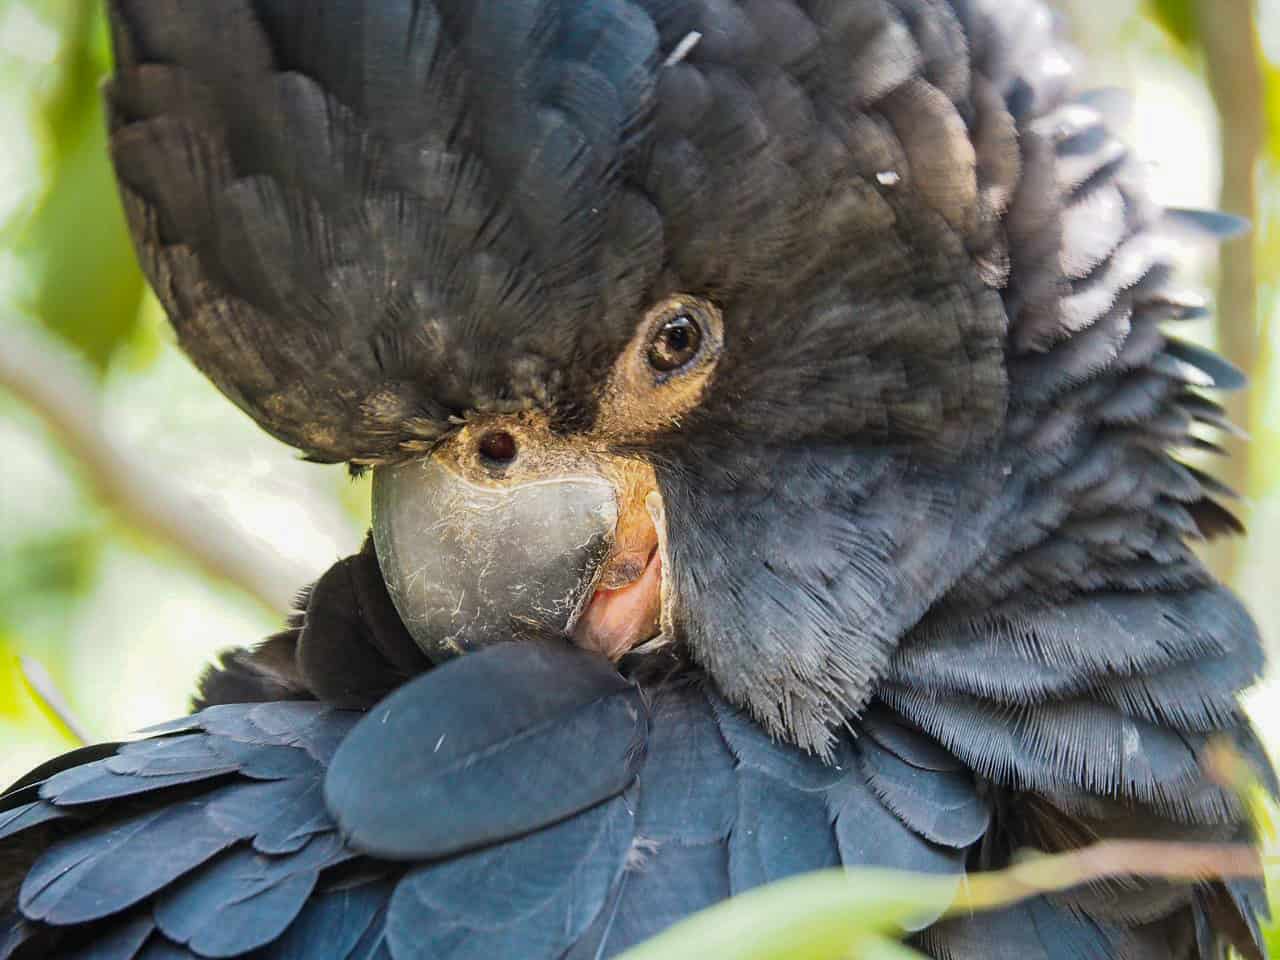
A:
(1233, 62)
(48, 378)
(1109, 860)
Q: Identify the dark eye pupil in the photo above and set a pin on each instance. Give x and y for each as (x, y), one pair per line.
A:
(675, 344)
(498, 447)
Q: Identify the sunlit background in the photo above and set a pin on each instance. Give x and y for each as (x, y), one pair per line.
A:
(101, 418)
(145, 523)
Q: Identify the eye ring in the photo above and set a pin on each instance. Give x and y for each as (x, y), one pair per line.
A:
(658, 378)
(676, 342)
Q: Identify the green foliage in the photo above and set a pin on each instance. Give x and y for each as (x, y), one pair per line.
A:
(1178, 17)
(47, 571)
(829, 915)
(20, 705)
(1271, 74)
(81, 278)
(14, 702)
(1267, 817)
(1271, 930)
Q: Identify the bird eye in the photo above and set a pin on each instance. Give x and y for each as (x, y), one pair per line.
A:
(675, 343)
(497, 448)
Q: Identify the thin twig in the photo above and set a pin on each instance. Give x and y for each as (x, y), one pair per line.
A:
(42, 687)
(1110, 859)
(49, 379)
(822, 913)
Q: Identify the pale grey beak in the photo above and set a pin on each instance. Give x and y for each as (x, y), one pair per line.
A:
(469, 565)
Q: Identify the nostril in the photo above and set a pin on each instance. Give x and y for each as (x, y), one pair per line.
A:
(498, 448)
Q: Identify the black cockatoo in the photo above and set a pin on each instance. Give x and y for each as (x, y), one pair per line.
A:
(773, 437)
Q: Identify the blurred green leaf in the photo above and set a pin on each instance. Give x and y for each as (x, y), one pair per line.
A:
(19, 704)
(1271, 929)
(42, 580)
(828, 915)
(841, 913)
(1271, 79)
(1178, 18)
(883, 948)
(150, 335)
(1266, 820)
(84, 282)
(14, 702)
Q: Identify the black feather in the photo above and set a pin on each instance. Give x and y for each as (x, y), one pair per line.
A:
(122, 940)
(660, 887)
(778, 831)
(352, 647)
(532, 896)
(758, 752)
(1222, 374)
(344, 924)
(26, 788)
(1073, 745)
(1212, 224)
(869, 835)
(138, 768)
(297, 820)
(109, 868)
(688, 774)
(1031, 931)
(243, 900)
(942, 806)
(492, 742)
(18, 819)
(1020, 655)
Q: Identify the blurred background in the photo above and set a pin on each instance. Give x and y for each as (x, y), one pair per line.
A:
(145, 523)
